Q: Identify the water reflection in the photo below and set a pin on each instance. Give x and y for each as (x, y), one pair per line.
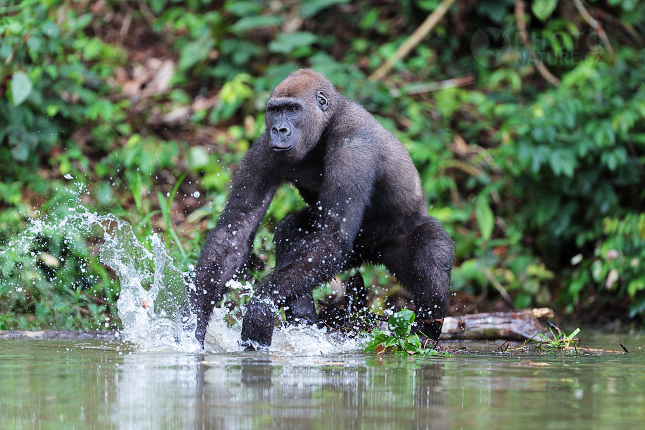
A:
(72, 384)
(249, 392)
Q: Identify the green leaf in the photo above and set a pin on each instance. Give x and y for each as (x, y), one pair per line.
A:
(50, 29)
(103, 108)
(634, 286)
(369, 19)
(157, 6)
(378, 338)
(52, 110)
(35, 44)
(20, 153)
(198, 158)
(543, 9)
(485, 217)
(562, 162)
(310, 8)
(243, 8)
(428, 5)
(400, 322)
(253, 22)
(6, 50)
(615, 158)
(604, 135)
(20, 88)
(286, 43)
(195, 52)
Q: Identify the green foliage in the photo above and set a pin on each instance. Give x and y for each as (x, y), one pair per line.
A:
(20, 88)
(485, 217)
(574, 160)
(51, 279)
(617, 265)
(555, 343)
(165, 204)
(397, 337)
(49, 85)
(289, 43)
(234, 93)
(310, 8)
(543, 9)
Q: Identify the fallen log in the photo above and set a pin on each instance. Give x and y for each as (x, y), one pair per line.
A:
(517, 325)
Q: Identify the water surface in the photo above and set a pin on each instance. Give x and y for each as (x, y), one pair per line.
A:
(52, 384)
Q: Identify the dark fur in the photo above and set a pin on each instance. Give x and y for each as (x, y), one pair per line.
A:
(365, 202)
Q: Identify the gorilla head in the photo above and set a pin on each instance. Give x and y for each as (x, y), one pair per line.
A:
(298, 112)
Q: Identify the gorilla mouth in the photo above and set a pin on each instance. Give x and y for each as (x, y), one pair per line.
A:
(281, 148)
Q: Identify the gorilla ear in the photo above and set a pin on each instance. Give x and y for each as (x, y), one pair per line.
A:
(323, 101)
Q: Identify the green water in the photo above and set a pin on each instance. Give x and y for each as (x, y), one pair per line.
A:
(103, 385)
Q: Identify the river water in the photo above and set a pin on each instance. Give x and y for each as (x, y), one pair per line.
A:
(54, 384)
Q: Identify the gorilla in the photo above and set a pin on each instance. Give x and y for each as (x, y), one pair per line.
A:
(365, 204)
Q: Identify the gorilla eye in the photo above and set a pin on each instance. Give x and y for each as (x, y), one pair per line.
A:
(293, 108)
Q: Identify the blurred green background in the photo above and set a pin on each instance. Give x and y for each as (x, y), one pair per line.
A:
(530, 144)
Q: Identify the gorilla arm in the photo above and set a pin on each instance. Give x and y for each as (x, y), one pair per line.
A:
(229, 245)
(348, 179)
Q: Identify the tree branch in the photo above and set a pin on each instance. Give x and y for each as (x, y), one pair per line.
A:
(412, 41)
(521, 27)
(597, 28)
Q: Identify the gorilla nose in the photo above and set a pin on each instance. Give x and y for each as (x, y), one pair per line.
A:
(281, 130)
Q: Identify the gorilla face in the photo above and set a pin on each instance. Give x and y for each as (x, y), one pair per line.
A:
(294, 124)
(284, 123)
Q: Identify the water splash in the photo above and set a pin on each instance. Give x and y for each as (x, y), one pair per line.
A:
(224, 332)
(152, 295)
(155, 317)
(152, 303)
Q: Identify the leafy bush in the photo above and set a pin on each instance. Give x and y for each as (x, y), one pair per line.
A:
(576, 149)
(617, 265)
(397, 337)
(574, 157)
(49, 85)
(51, 278)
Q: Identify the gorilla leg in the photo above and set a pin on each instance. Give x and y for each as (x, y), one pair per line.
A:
(312, 255)
(291, 233)
(287, 284)
(422, 262)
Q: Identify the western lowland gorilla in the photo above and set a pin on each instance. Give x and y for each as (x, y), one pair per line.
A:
(365, 204)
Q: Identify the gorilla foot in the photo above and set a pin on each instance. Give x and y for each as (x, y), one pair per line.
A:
(257, 325)
(252, 346)
(428, 330)
(200, 335)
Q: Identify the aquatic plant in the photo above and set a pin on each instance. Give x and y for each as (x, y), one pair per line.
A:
(398, 337)
(556, 343)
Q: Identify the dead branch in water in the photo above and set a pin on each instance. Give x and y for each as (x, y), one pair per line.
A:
(518, 325)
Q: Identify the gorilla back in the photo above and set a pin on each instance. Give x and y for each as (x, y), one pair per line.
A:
(365, 204)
